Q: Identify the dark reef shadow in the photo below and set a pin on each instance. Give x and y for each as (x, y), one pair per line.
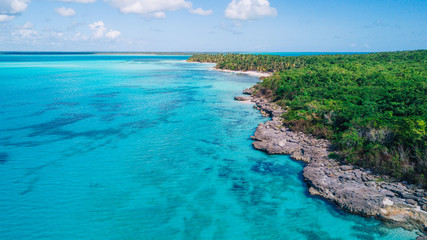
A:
(4, 157)
(106, 95)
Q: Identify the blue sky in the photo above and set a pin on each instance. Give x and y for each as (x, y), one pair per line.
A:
(213, 25)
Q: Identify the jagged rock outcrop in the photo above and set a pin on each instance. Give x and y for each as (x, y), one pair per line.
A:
(249, 91)
(241, 99)
(353, 189)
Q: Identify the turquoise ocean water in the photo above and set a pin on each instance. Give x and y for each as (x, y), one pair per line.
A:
(147, 147)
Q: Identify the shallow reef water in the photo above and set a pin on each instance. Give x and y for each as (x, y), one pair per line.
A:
(147, 147)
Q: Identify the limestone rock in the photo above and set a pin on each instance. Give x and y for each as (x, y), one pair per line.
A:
(241, 99)
(351, 188)
(249, 91)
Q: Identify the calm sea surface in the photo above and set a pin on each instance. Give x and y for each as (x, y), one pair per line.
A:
(147, 147)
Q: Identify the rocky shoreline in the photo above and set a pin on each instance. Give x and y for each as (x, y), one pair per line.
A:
(351, 188)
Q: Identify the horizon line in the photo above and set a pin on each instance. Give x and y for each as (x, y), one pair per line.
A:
(182, 52)
(163, 52)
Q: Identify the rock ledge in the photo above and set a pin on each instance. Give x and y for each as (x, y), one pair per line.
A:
(351, 188)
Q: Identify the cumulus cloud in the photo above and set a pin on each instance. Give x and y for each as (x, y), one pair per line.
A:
(78, 1)
(200, 11)
(150, 8)
(5, 18)
(78, 36)
(10, 8)
(27, 25)
(249, 9)
(112, 34)
(65, 12)
(13, 6)
(158, 15)
(99, 31)
(26, 34)
(26, 31)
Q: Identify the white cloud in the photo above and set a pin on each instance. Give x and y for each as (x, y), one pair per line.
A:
(160, 14)
(249, 9)
(65, 12)
(150, 8)
(10, 8)
(27, 25)
(78, 36)
(26, 34)
(14, 6)
(5, 18)
(99, 31)
(112, 34)
(200, 11)
(56, 34)
(78, 1)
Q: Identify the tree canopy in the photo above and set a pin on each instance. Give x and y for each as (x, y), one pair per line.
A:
(373, 107)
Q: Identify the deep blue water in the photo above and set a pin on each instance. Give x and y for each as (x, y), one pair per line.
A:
(147, 147)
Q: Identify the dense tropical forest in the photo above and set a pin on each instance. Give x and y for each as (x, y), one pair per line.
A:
(373, 107)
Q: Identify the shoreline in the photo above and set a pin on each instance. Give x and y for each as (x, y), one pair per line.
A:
(250, 73)
(350, 188)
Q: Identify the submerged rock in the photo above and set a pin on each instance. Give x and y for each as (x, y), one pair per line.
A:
(351, 188)
(3, 157)
(242, 99)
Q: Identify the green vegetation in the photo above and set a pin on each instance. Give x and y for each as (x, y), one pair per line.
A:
(373, 107)
(249, 62)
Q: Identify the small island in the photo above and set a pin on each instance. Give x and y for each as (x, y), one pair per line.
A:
(358, 121)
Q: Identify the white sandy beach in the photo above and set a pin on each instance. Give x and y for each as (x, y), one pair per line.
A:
(250, 73)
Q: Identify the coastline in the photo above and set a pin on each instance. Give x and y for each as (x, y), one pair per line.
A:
(250, 73)
(351, 188)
